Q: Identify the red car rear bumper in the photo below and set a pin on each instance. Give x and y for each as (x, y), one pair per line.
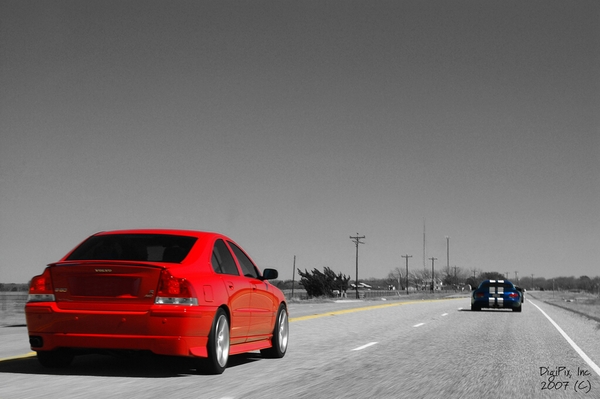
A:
(164, 329)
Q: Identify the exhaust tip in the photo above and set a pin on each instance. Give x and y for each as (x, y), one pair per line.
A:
(35, 341)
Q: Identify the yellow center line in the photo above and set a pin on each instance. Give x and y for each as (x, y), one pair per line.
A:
(344, 311)
(30, 354)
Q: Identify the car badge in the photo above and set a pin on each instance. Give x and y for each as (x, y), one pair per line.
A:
(103, 270)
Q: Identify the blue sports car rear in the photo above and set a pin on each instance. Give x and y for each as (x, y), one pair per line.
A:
(498, 294)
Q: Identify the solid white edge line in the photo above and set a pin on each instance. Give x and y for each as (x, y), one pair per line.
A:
(581, 353)
(364, 346)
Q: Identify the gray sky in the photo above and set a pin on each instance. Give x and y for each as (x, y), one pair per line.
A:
(292, 125)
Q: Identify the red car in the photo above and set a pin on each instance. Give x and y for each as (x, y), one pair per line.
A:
(170, 292)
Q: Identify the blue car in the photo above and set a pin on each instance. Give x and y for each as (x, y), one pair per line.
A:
(498, 294)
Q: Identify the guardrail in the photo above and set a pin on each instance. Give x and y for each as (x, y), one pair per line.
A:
(373, 293)
(351, 294)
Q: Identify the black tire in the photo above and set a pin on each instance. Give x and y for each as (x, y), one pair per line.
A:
(218, 344)
(517, 309)
(475, 308)
(55, 359)
(281, 335)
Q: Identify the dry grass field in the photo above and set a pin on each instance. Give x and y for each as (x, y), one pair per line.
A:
(579, 302)
(12, 308)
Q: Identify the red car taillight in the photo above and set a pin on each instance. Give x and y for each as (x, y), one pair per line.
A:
(174, 291)
(40, 289)
(479, 295)
(513, 295)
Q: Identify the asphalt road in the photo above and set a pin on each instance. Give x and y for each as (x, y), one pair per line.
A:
(387, 349)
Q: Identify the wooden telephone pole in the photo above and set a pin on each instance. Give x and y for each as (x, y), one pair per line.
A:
(432, 274)
(406, 257)
(357, 240)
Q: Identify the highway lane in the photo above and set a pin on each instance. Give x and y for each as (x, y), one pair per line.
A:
(13, 342)
(417, 350)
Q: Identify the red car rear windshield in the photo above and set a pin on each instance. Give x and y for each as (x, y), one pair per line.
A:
(137, 247)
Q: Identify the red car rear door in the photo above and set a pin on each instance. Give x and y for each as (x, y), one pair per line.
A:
(263, 302)
(239, 291)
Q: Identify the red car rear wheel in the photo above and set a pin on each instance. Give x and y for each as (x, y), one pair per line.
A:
(218, 344)
(56, 358)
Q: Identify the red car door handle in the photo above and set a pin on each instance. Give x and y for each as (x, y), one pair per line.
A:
(230, 285)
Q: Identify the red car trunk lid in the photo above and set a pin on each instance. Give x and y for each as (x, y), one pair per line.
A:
(105, 285)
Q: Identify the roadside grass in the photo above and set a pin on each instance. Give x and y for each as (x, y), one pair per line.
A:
(582, 303)
(12, 308)
(402, 296)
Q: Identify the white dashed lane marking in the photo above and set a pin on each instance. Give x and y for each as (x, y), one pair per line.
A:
(364, 346)
(374, 343)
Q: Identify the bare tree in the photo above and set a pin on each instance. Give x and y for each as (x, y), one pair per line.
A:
(396, 278)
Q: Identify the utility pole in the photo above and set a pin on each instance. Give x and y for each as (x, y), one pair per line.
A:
(432, 273)
(424, 245)
(532, 282)
(455, 279)
(448, 254)
(406, 257)
(293, 275)
(517, 276)
(357, 241)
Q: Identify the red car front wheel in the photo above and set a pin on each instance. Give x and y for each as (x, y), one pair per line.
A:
(281, 334)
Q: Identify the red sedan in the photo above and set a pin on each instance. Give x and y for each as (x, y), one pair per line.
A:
(170, 292)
